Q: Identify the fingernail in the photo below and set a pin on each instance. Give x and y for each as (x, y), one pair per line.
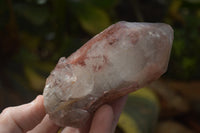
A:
(71, 130)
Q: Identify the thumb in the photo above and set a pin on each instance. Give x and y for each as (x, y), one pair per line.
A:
(22, 118)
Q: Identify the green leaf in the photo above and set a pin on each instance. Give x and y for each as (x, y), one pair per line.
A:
(36, 80)
(37, 15)
(91, 18)
(140, 113)
(128, 124)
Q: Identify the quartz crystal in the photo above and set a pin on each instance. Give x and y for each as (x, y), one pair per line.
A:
(124, 57)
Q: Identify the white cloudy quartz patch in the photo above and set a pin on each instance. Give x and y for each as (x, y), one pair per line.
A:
(117, 61)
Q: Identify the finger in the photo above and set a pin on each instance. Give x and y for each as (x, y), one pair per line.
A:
(118, 106)
(46, 126)
(102, 120)
(70, 130)
(23, 118)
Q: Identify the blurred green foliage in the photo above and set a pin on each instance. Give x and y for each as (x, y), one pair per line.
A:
(34, 34)
(184, 15)
(140, 112)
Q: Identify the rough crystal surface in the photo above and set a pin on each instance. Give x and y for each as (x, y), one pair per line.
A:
(119, 60)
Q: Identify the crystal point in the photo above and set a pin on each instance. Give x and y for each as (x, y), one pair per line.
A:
(124, 57)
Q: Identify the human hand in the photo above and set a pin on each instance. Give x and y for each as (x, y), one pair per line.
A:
(32, 118)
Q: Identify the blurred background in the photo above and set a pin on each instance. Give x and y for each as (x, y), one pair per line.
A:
(34, 34)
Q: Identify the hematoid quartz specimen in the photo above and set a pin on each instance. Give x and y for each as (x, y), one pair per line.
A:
(124, 57)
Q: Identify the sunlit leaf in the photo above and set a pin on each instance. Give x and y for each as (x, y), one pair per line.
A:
(140, 113)
(145, 93)
(174, 10)
(128, 124)
(92, 19)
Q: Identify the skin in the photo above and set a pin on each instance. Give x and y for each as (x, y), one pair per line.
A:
(32, 118)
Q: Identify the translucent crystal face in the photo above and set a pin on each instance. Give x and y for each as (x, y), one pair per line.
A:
(68, 81)
(123, 54)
